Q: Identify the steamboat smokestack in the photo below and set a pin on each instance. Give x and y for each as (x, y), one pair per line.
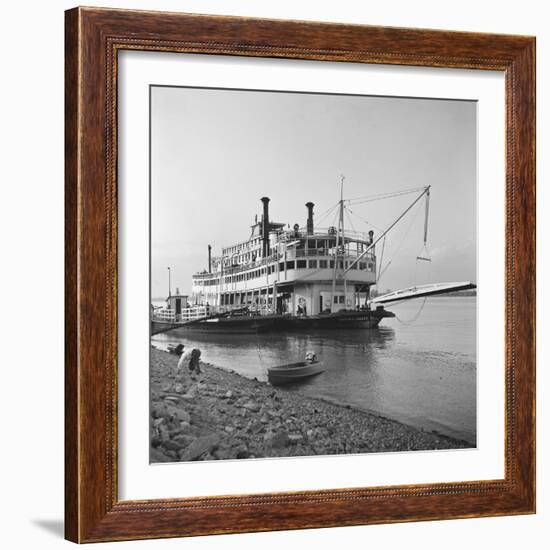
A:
(265, 227)
(309, 226)
(209, 259)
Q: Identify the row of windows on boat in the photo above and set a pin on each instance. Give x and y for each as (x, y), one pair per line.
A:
(298, 264)
(234, 299)
(240, 254)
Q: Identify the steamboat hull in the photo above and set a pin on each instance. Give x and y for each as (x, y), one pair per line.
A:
(343, 320)
(252, 325)
(257, 324)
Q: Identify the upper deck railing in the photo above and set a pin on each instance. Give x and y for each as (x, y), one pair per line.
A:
(320, 233)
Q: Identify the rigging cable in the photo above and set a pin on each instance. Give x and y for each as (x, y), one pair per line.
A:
(367, 223)
(372, 198)
(416, 316)
(381, 261)
(406, 234)
(326, 213)
(349, 219)
(423, 256)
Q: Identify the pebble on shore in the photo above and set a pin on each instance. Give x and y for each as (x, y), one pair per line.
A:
(226, 416)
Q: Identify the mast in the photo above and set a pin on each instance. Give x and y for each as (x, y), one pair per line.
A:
(339, 240)
(343, 241)
(426, 216)
(424, 255)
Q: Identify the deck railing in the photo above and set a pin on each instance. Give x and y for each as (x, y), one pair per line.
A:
(320, 233)
(192, 313)
(202, 311)
(164, 314)
(187, 314)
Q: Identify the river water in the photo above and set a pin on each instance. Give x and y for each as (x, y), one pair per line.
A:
(418, 368)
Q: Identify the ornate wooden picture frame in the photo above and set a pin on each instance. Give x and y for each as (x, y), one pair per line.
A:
(94, 37)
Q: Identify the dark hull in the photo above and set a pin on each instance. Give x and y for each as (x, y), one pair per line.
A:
(254, 324)
(248, 325)
(334, 322)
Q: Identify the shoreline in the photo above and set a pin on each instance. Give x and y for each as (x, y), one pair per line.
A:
(227, 416)
(334, 402)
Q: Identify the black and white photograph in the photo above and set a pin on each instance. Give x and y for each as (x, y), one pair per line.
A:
(313, 274)
(286, 255)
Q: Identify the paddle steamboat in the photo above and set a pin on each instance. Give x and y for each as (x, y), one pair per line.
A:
(288, 279)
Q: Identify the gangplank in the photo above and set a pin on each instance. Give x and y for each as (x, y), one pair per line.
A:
(421, 291)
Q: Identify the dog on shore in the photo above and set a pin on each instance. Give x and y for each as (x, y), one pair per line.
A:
(191, 359)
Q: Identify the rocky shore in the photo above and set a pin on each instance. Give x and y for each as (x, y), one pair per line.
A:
(226, 416)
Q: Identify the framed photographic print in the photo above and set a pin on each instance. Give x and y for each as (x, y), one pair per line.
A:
(300, 275)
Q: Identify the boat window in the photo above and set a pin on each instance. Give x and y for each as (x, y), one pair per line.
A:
(323, 264)
(362, 265)
(370, 267)
(312, 264)
(331, 264)
(301, 264)
(290, 265)
(281, 266)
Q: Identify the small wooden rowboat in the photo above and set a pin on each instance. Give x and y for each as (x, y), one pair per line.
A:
(294, 372)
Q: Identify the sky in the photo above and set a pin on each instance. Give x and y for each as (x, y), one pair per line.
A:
(216, 152)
